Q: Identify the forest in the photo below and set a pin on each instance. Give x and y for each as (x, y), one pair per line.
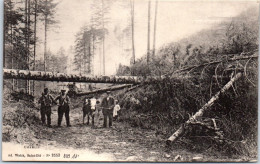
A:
(206, 61)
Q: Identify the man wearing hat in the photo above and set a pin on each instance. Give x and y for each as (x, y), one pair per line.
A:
(46, 101)
(107, 105)
(63, 104)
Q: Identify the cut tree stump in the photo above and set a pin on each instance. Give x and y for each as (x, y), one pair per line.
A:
(206, 107)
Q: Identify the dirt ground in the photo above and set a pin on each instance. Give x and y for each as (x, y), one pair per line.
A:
(119, 143)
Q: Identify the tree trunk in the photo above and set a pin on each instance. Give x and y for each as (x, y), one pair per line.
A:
(93, 53)
(12, 56)
(84, 56)
(155, 23)
(113, 88)
(103, 39)
(62, 77)
(45, 36)
(100, 60)
(206, 107)
(45, 43)
(104, 58)
(89, 57)
(26, 28)
(132, 88)
(28, 44)
(35, 35)
(34, 46)
(6, 30)
(133, 27)
(148, 34)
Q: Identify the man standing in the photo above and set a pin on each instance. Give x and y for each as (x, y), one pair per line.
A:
(46, 101)
(107, 105)
(64, 101)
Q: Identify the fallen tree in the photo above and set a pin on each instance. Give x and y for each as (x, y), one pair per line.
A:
(102, 90)
(255, 56)
(133, 87)
(62, 77)
(206, 107)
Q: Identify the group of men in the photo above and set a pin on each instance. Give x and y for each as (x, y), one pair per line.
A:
(46, 100)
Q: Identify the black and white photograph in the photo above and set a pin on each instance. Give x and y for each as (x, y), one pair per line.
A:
(130, 80)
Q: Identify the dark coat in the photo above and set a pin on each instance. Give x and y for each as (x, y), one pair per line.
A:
(108, 102)
(46, 100)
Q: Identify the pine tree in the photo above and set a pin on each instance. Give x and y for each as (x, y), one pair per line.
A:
(84, 48)
(100, 13)
(47, 8)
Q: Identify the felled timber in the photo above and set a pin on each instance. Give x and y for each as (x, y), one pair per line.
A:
(206, 107)
(62, 77)
(102, 90)
(133, 87)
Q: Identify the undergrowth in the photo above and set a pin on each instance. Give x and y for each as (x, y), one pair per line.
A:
(165, 106)
(18, 119)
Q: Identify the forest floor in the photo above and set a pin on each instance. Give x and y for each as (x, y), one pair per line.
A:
(121, 142)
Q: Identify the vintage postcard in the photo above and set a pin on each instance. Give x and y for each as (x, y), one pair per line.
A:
(130, 80)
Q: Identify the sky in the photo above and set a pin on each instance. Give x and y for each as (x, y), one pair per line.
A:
(175, 20)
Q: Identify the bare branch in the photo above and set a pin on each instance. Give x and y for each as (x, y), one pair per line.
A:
(245, 73)
(215, 62)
